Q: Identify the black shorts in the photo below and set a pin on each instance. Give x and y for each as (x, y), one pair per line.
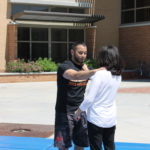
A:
(68, 129)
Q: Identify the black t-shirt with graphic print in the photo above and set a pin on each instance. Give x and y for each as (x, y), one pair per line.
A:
(70, 93)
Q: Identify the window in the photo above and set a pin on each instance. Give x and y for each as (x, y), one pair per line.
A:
(59, 35)
(62, 39)
(52, 43)
(142, 3)
(20, 7)
(59, 52)
(32, 43)
(39, 50)
(127, 4)
(24, 50)
(143, 15)
(39, 34)
(24, 44)
(76, 35)
(76, 10)
(127, 16)
(39, 8)
(69, 10)
(133, 11)
(23, 34)
(59, 9)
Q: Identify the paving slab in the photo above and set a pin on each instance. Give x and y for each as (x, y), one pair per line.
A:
(34, 103)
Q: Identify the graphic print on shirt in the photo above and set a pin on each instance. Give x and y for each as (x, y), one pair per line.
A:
(78, 82)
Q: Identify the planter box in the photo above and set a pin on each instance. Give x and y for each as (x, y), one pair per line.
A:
(27, 77)
(129, 74)
(48, 76)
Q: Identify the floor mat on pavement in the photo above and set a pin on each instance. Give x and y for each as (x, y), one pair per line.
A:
(30, 143)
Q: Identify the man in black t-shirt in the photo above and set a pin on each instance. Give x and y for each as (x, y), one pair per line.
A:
(72, 78)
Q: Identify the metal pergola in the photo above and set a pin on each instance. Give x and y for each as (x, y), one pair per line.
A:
(57, 17)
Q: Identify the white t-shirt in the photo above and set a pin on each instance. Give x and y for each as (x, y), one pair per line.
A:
(100, 99)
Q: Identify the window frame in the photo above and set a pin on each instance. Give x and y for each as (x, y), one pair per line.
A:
(50, 42)
(135, 13)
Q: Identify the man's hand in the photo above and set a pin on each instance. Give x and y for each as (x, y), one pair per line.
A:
(84, 67)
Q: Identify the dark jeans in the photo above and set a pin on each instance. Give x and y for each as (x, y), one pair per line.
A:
(99, 136)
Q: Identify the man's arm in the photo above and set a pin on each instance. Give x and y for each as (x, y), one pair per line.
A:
(71, 74)
(84, 74)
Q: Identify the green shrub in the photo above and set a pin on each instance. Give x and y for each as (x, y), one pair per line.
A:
(47, 64)
(93, 63)
(22, 66)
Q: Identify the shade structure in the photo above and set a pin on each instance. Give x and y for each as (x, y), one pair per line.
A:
(57, 17)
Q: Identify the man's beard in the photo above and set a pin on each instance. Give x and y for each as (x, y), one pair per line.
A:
(77, 60)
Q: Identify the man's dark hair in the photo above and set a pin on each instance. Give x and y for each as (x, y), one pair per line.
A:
(109, 57)
(74, 45)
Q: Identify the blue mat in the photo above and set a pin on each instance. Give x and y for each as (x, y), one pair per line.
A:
(28, 143)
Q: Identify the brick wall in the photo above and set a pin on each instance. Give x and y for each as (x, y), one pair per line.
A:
(91, 41)
(35, 77)
(12, 42)
(134, 45)
(27, 77)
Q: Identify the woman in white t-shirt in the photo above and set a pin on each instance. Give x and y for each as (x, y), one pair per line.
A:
(100, 100)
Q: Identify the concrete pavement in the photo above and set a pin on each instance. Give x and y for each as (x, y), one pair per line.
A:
(34, 102)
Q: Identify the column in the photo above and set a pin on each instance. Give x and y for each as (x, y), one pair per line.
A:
(12, 42)
(91, 41)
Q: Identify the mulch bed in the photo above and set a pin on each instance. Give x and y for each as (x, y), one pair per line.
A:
(26, 130)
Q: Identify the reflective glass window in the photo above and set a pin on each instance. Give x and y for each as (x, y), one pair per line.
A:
(39, 8)
(23, 34)
(76, 35)
(143, 15)
(127, 4)
(76, 10)
(142, 3)
(24, 51)
(39, 50)
(58, 9)
(59, 52)
(59, 34)
(18, 8)
(127, 17)
(39, 34)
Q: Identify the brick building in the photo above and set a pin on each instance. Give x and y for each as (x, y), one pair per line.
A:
(30, 29)
(46, 28)
(127, 25)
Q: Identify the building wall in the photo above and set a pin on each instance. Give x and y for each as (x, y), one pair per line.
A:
(107, 29)
(134, 43)
(5, 12)
(4, 15)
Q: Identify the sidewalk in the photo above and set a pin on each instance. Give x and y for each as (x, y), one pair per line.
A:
(34, 102)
